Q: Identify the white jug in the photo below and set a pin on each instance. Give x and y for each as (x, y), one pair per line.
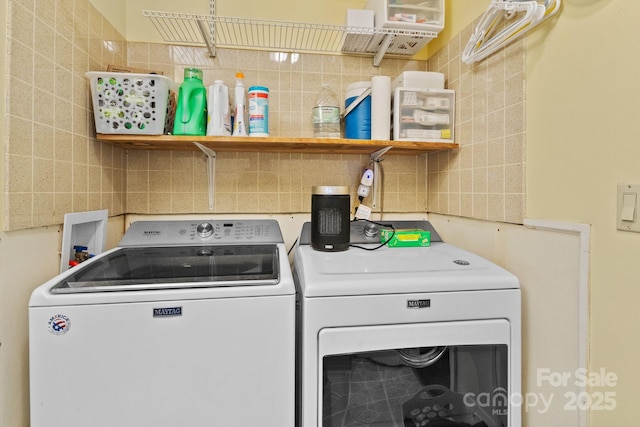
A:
(219, 121)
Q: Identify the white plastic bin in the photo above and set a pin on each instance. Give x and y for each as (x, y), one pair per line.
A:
(127, 103)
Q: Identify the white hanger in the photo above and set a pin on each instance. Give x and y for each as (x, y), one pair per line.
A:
(516, 16)
(513, 15)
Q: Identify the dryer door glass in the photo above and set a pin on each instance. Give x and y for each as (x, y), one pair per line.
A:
(454, 386)
(441, 383)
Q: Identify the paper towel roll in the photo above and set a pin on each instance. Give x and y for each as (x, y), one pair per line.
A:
(381, 107)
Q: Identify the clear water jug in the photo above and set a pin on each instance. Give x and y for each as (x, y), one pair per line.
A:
(326, 114)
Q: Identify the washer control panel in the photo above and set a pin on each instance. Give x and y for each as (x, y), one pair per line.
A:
(209, 232)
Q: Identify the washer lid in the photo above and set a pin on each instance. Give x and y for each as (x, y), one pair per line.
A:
(440, 267)
(174, 267)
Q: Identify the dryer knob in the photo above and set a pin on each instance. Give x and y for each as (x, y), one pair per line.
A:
(371, 230)
(204, 230)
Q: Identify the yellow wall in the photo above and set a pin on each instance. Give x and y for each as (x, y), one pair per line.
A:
(322, 12)
(458, 15)
(114, 11)
(582, 114)
(314, 11)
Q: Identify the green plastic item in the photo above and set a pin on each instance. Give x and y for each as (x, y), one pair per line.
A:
(191, 111)
(406, 238)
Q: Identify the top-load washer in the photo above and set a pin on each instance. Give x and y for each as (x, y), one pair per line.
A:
(405, 336)
(185, 323)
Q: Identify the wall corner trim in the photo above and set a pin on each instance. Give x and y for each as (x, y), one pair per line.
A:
(584, 233)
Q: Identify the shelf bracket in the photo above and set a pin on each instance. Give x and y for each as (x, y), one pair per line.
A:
(211, 40)
(208, 40)
(382, 49)
(211, 169)
(376, 158)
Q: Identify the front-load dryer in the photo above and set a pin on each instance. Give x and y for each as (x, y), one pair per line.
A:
(405, 336)
(185, 323)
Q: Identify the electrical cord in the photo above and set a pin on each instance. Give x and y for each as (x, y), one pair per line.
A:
(379, 185)
(292, 246)
(393, 232)
(372, 181)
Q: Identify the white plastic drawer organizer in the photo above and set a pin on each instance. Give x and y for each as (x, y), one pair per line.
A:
(417, 15)
(423, 114)
(413, 14)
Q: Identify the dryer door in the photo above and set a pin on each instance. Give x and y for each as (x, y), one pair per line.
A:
(431, 374)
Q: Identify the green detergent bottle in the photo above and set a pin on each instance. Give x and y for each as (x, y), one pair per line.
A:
(191, 111)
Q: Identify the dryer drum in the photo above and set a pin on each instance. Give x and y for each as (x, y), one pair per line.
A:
(418, 358)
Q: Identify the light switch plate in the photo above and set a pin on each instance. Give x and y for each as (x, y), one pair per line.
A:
(628, 198)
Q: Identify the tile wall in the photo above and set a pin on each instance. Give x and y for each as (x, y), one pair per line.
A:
(485, 178)
(176, 182)
(53, 165)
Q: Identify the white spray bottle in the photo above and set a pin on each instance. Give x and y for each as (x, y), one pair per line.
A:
(240, 110)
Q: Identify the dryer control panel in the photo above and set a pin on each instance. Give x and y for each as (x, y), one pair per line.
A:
(363, 231)
(209, 232)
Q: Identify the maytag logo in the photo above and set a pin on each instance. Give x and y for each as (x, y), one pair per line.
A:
(418, 303)
(151, 232)
(167, 312)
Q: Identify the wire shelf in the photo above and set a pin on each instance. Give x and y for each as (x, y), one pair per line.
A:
(227, 32)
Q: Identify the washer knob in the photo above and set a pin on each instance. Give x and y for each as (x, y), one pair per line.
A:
(204, 230)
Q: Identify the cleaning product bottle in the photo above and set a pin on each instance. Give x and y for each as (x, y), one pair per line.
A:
(326, 114)
(258, 111)
(240, 109)
(219, 122)
(191, 111)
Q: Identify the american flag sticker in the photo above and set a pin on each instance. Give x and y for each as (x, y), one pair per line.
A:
(59, 324)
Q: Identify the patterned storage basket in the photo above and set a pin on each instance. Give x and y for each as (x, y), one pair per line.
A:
(126, 103)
